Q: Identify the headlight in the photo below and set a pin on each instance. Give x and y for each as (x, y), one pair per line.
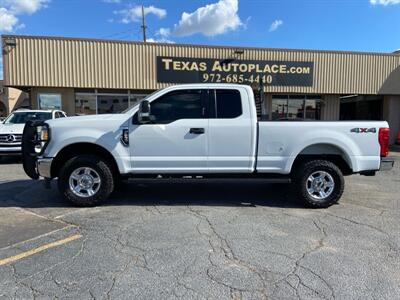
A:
(43, 133)
(43, 136)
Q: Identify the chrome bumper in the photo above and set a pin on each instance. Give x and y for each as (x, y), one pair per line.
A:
(44, 167)
(16, 149)
(387, 164)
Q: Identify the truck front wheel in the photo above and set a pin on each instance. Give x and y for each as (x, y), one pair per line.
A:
(86, 180)
(318, 183)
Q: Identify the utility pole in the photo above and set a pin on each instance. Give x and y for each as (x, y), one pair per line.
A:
(144, 27)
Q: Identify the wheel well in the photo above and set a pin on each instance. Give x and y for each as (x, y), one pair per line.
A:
(73, 150)
(326, 152)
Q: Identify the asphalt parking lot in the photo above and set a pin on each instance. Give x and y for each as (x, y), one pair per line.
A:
(212, 239)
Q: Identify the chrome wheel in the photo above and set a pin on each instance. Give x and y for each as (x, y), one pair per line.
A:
(320, 185)
(84, 182)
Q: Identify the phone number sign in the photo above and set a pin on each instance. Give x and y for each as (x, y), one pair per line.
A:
(198, 70)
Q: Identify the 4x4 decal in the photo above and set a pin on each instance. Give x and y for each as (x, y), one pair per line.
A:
(363, 130)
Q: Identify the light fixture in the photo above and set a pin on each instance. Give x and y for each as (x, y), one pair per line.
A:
(238, 52)
(348, 96)
(11, 42)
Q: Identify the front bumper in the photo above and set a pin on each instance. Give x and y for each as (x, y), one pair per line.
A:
(387, 164)
(10, 150)
(43, 166)
(29, 154)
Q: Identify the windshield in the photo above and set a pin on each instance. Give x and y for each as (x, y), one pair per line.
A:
(23, 117)
(145, 98)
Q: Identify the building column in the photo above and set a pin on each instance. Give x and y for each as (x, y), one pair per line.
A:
(267, 107)
(330, 110)
(391, 114)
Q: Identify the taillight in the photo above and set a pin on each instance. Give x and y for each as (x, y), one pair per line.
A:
(384, 141)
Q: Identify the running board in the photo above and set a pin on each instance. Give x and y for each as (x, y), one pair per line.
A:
(166, 177)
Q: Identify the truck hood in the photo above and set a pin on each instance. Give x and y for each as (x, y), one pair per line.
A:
(88, 121)
(11, 128)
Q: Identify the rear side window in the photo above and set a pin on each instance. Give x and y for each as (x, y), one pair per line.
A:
(228, 104)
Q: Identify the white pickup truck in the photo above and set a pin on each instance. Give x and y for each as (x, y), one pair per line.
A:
(202, 130)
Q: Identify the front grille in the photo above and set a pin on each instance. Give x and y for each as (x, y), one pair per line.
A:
(10, 145)
(10, 138)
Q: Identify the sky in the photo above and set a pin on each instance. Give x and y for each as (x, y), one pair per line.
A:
(359, 25)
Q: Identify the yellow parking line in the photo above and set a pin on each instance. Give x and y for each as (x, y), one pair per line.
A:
(22, 255)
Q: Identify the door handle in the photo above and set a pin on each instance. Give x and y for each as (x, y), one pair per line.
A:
(197, 130)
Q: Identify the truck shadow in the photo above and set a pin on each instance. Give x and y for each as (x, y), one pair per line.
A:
(207, 192)
(179, 192)
(10, 160)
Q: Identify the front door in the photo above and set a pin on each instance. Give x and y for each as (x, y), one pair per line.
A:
(176, 139)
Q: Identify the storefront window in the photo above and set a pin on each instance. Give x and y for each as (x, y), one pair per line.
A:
(313, 108)
(85, 104)
(296, 107)
(101, 102)
(135, 99)
(279, 107)
(49, 101)
(361, 107)
(111, 104)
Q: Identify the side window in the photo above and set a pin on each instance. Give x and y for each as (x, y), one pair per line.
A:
(184, 104)
(228, 104)
(56, 115)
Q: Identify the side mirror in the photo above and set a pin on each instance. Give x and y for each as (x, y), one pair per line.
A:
(144, 112)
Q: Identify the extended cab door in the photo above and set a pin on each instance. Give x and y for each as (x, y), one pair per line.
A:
(232, 131)
(176, 140)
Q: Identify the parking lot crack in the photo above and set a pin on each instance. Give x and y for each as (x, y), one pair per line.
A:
(357, 223)
(92, 295)
(120, 273)
(49, 270)
(228, 253)
(388, 238)
(298, 265)
(183, 275)
(34, 292)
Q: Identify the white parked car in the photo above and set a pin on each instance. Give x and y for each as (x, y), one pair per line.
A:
(12, 127)
(202, 130)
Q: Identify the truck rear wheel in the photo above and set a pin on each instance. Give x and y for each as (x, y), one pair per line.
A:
(86, 180)
(318, 183)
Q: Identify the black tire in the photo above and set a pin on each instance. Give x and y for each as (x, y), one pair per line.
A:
(305, 170)
(106, 186)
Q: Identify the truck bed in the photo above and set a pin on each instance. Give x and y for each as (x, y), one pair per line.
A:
(280, 142)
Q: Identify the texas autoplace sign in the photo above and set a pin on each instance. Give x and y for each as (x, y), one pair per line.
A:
(200, 70)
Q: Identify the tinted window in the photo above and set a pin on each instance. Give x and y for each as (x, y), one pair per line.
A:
(228, 104)
(186, 104)
(59, 115)
(22, 118)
